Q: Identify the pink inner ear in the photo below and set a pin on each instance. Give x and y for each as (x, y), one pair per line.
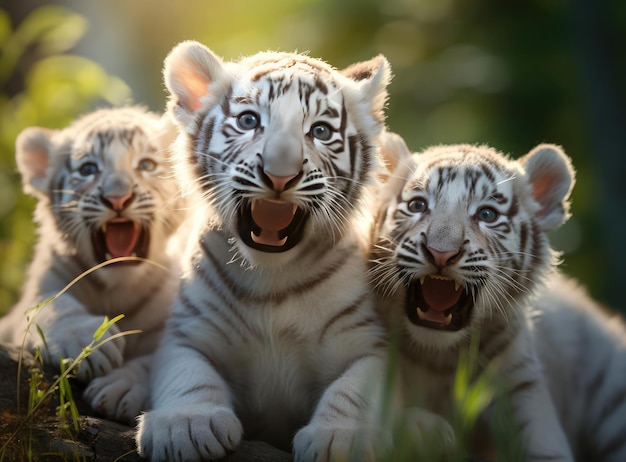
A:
(544, 194)
(36, 159)
(541, 188)
(195, 87)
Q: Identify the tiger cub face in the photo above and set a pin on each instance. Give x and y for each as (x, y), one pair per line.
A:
(462, 237)
(104, 185)
(278, 143)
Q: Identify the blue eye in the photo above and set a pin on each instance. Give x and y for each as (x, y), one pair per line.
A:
(248, 120)
(322, 131)
(417, 205)
(487, 214)
(147, 165)
(88, 169)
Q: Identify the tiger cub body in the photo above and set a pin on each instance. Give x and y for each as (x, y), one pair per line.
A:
(461, 247)
(582, 348)
(274, 332)
(105, 189)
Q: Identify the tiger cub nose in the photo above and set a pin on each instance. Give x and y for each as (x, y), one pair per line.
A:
(117, 203)
(442, 259)
(280, 183)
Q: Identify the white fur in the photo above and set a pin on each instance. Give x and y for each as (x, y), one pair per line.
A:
(582, 349)
(259, 341)
(117, 372)
(537, 187)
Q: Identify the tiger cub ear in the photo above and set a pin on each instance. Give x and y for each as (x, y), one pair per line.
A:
(394, 152)
(372, 78)
(32, 153)
(551, 175)
(191, 72)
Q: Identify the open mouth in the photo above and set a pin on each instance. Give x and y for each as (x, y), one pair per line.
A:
(271, 225)
(121, 237)
(438, 302)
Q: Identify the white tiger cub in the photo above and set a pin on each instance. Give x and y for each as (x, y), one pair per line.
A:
(274, 332)
(461, 248)
(582, 348)
(105, 190)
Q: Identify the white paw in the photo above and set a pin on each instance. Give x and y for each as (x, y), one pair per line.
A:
(72, 340)
(192, 433)
(324, 443)
(425, 428)
(120, 395)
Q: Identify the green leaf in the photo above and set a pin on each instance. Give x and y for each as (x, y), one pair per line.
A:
(42, 336)
(105, 326)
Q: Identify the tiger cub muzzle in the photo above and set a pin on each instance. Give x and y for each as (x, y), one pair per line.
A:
(272, 225)
(120, 236)
(438, 302)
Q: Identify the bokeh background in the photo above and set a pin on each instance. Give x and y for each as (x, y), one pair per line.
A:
(511, 74)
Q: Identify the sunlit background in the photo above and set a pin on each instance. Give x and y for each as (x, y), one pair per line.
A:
(511, 74)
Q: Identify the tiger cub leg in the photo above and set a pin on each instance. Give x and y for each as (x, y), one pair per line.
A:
(533, 409)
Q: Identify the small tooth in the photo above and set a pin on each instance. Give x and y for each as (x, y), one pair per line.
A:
(108, 256)
(256, 239)
(422, 279)
(447, 320)
(420, 313)
(456, 286)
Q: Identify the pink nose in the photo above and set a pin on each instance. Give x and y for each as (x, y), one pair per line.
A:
(442, 259)
(117, 203)
(279, 182)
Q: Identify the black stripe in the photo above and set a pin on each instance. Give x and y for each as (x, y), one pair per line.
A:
(487, 171)
(523, 386)
(348, 311)
(537, 244)
(226, 301)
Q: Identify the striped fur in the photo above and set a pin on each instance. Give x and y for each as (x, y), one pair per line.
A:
(108, 166)
(274, 332)
(582, 349)
(469, 215)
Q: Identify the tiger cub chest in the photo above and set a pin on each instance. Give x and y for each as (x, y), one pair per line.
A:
(273, 382)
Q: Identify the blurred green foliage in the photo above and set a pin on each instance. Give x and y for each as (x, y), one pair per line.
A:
(508, 74)
(57, 87)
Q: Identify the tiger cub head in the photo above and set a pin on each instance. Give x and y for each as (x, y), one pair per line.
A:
(279, 144)
(462, 236)
(104, 184)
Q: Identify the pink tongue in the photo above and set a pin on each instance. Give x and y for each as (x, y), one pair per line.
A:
(121, 238)
(272, 215)
(440, 294)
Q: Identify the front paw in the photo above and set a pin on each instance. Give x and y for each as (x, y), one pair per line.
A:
(427, 431)
(192, 433)
(71, 342)
(325, 443)
(120, 395)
